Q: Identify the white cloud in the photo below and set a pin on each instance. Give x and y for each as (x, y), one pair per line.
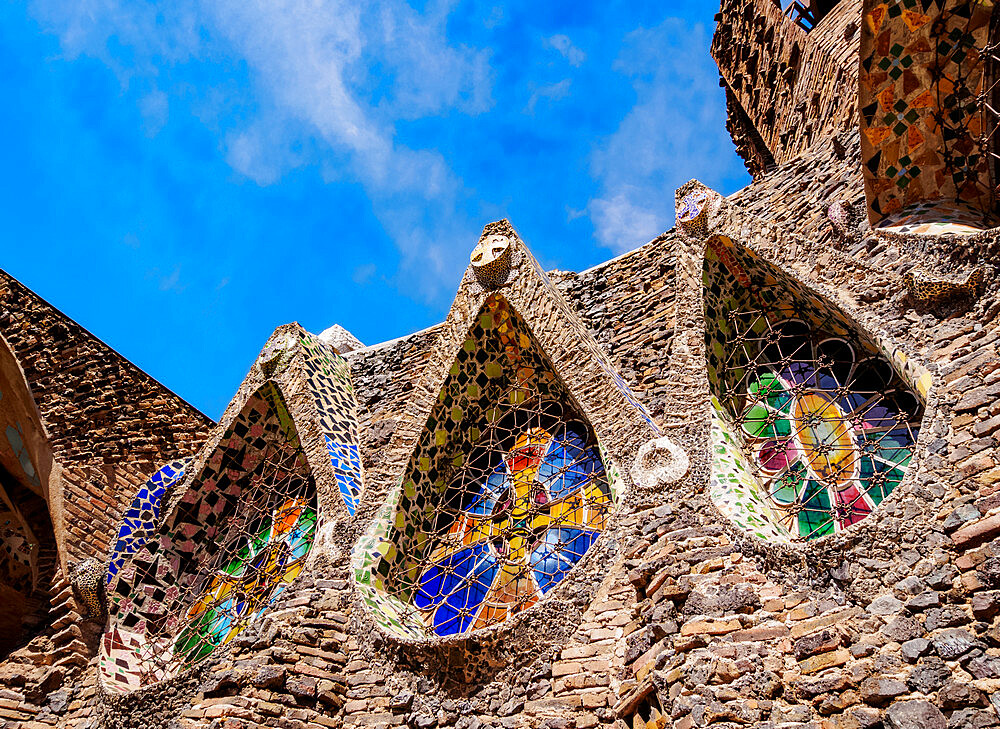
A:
(674, 132)
(553, 92)
(155, 109)
(339, 71)
(570, 52)
(619, 219)
(363, 273)
(172, 282)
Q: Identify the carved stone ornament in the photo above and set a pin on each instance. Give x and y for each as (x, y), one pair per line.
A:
(693, 211)
(659, 462)
(87, 579)
(491, 260)
(924, 289)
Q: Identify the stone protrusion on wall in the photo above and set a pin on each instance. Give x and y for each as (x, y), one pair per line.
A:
(491, 258)
(695, 207)
(340, 339)
(786, 87)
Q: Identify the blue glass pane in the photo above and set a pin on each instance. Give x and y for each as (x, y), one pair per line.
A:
(456, 586)
(485, 501)
(557, 553)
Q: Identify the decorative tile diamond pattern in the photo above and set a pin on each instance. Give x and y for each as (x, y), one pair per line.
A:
(141, 517)
(922, 123)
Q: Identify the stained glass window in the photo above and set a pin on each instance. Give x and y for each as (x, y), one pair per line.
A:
(228, 548)
(522, 511)
(505, 494)
(813, 426)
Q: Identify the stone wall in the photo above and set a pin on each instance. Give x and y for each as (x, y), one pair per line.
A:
(895, 623)
(789, 88)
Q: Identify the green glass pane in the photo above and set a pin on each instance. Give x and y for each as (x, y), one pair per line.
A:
(787, 488)
(893, 476)
(307, 520)
(896, 456)
(195, 643)
(237, 566)
(755, 422)
(770, 387)
(783, 427)
(815, 519)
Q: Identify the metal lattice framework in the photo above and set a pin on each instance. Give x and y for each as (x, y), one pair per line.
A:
(521, 509)
(262, 552)
(826, 426)
(229, 546)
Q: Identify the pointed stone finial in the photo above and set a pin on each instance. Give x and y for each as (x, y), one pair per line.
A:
(340, 339)
(492, 256)
(274, 353)
(694, 204)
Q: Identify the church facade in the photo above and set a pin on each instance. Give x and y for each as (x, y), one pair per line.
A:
(743, 476)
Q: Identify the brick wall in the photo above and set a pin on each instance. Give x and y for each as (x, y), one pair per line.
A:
(109, 423)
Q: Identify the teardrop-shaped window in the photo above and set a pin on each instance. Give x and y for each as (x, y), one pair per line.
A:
(506, 491)
(230, 545)
(812, 425)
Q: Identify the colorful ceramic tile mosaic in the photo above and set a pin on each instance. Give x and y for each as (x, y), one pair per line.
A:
(139, 520)
(329, 378)
(692, 213)
(921, 74)
(937, 217)
(505, 493)
(229, 546)
(813, 426)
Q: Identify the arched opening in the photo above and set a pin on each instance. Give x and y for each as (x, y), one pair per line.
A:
(813, 427)
(229, 547)
(28, 547)
(27, 562)
(505, 493)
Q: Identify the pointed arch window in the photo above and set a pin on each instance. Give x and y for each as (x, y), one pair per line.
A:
(222, 551)
(813, 427)
(506, 492)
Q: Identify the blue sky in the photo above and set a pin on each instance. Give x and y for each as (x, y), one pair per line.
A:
(182, 177)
